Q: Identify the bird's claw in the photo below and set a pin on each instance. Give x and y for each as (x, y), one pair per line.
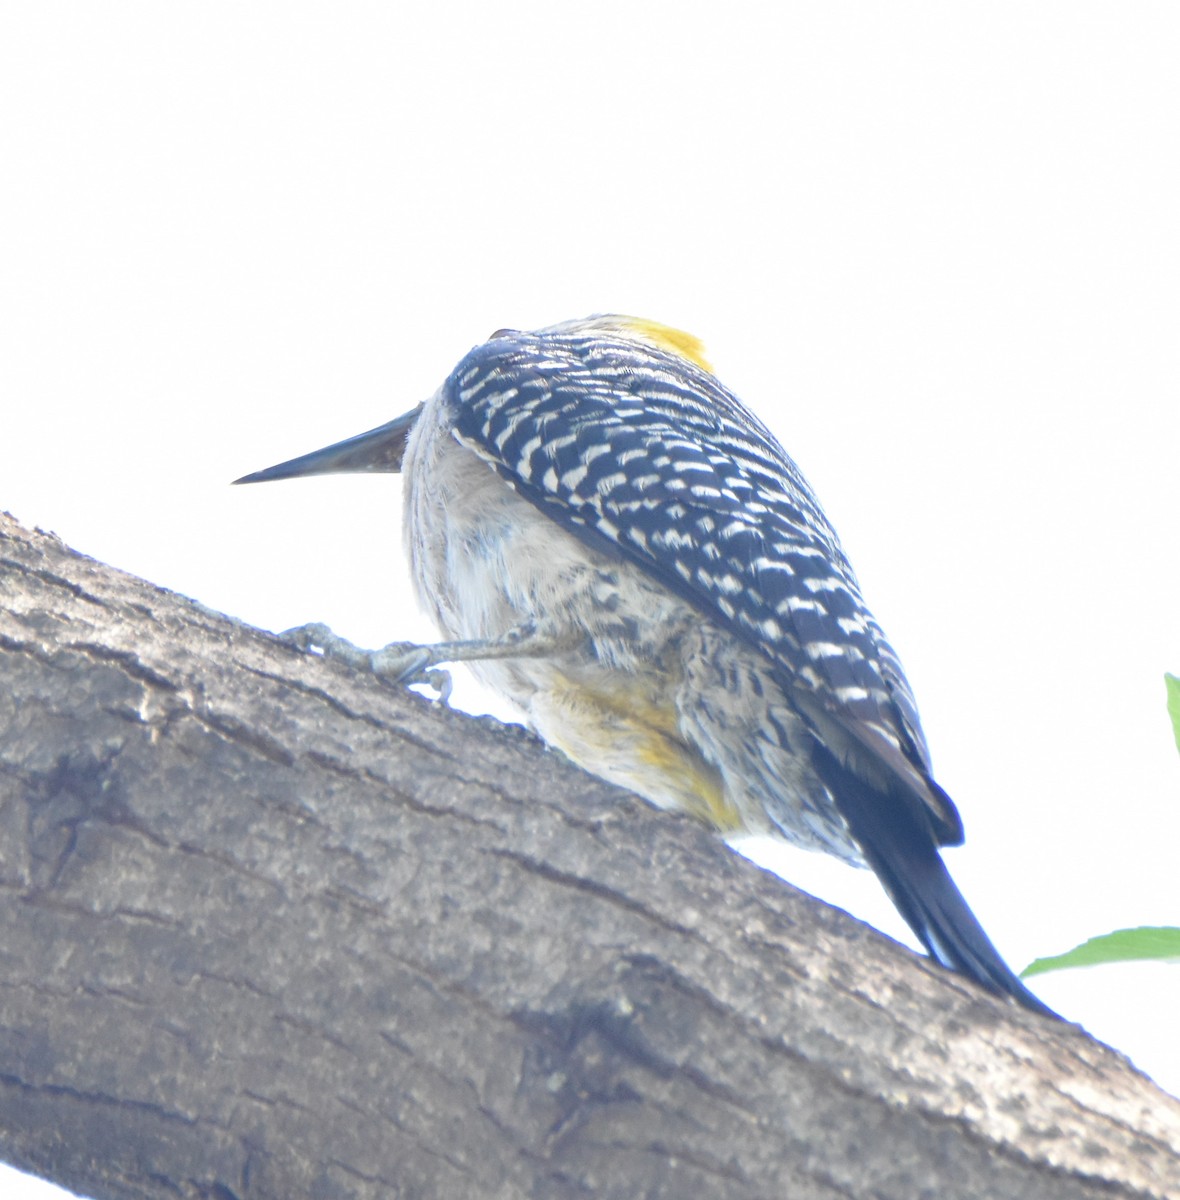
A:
(411, 665)
(318, 638)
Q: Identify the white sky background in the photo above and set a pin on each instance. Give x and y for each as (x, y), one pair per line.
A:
(935, 246)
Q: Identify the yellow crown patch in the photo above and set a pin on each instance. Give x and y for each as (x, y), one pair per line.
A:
(666, 338)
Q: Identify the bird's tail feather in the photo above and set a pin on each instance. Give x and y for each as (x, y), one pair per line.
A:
(907, 862)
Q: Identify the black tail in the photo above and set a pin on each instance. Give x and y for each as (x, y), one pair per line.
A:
(906, 860)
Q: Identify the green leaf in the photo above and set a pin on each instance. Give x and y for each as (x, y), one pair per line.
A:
(1173, 684)
(1148, 942)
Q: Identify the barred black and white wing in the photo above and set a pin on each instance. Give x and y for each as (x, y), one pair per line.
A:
(644, 454)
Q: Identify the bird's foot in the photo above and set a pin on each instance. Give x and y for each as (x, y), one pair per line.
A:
(405, 663)
(411, 665)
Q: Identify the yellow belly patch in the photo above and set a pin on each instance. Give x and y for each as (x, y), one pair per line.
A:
(636, 745)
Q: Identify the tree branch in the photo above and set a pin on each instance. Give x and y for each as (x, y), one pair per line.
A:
(275, 929)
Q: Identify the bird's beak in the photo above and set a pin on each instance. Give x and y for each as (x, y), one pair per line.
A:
(381, 449)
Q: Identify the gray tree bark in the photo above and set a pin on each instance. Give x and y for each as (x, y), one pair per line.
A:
(272, 928)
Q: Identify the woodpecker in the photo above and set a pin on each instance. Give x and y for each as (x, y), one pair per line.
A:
(620, 548)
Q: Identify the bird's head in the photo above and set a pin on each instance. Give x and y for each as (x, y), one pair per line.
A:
(383, 449)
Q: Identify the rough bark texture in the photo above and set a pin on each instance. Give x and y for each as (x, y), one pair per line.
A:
(274, 929)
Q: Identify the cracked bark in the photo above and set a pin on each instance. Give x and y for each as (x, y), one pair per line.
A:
(274, 929)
